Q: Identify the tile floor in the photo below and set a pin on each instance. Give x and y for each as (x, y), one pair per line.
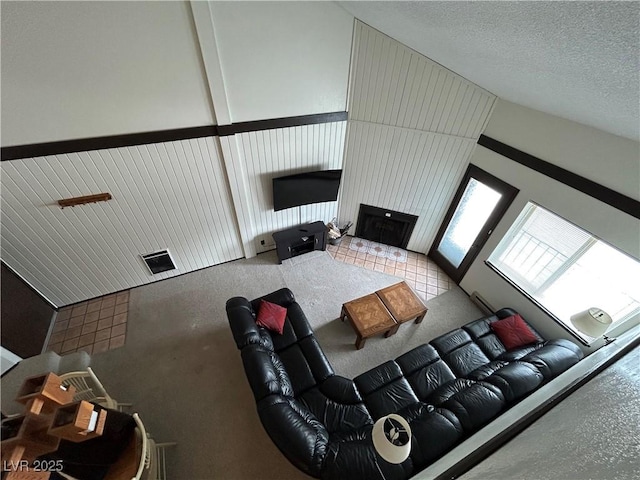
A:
(94, 326)
(425, 277)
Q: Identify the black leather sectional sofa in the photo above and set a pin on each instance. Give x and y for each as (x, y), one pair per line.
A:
(446, 390)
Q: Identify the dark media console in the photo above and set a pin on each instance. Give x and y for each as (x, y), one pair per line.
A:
(301, 239)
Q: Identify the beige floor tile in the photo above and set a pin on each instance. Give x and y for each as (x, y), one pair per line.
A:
(378, 267)
(359, 262)
(100, 347)
(92, 317)
(410, 275)
(94, 305)
(108, 301)
(121, 308)
(116, 342)
(76, 321)
(119, 330)
(55, 347)
(122, 297)
(72, 332)
(69, 345)
(64, 314)
(57, 337)
(79, 309)
(86, 339)
(60, 326)
(103, 335)
(89, 328)
(105, 323)
(120, 318)
(369, 265)
(107, 312)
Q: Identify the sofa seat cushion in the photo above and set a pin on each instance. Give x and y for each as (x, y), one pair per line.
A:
(554, 357)
(473, 403)
(515, 379)
(306, 364)
(424, 369)
(433, 432)
(352, 456)
(385, 390)
(336, 416)
(476, 405)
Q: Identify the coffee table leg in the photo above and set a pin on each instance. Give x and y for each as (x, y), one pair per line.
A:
(360, 342)
(421, 317)
(343, 314)
(392, 331)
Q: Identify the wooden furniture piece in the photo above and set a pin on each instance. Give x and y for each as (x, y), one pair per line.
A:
(44, 393)
(142, 459)
(301, 239)
(403, 304)
(369, 317)
(89, 388)
(74, 422)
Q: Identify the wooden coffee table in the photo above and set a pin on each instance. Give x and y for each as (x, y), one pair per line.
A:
(369, 317)
(403, 304)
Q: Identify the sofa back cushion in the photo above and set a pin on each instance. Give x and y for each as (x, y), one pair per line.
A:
(385, 390)
(460, 353)
(424, 369)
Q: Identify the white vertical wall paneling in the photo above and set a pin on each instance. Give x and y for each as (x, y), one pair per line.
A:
(412, 128)
(405, 170)
(238, 183)
(169, 195)
(263, 155)
(394, 85)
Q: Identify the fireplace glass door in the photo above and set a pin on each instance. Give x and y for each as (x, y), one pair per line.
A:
(478, 205)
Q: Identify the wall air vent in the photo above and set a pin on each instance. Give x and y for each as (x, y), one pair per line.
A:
(159, 262)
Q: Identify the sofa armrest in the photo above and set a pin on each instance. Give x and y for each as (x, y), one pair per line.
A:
(296, 432)
(242, 322)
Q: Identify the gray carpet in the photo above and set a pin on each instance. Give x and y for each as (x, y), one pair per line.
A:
(181, 370)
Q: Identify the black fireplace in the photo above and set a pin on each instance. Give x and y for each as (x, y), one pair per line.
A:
(385, 226)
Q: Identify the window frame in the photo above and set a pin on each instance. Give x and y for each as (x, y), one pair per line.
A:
(585, 340)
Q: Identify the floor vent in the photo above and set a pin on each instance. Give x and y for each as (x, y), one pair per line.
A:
(482, 303)
(159, 262)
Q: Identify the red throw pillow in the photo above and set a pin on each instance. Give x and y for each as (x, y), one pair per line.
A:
(271, 316)
(513, 332)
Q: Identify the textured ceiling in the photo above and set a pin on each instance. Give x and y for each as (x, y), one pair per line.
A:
(575, 60)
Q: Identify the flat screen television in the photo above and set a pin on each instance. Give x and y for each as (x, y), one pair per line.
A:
(306, 188)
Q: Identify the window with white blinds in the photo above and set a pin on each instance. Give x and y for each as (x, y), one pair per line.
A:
(566, 269)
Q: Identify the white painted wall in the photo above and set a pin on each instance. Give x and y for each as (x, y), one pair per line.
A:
(84, 69)
(607, 159)
(413, 125)
(281, 59)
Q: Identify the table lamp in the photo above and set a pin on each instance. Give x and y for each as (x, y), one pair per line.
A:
(392, 438)
(592, 321)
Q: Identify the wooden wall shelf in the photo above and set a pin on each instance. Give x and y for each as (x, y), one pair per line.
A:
(72, 202)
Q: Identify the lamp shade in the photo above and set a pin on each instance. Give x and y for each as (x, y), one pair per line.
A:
(593, 321)
(392, 438)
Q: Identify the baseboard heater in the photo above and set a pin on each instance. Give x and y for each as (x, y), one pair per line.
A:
(485, 306)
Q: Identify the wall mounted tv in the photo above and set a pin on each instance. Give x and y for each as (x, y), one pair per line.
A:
(306, 188)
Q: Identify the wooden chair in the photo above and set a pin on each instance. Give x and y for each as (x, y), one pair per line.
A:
(152, 464)
(89, 388)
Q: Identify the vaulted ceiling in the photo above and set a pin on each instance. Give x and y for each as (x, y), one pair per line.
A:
(575, 60)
